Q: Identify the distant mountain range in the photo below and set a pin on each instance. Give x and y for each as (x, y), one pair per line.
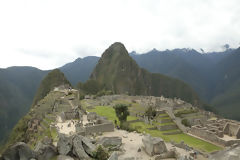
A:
(214, 76)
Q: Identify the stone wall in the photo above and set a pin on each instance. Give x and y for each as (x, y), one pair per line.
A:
(106, 127)
(232, 129)
(167, 127)
(71, 115)
(211, 136)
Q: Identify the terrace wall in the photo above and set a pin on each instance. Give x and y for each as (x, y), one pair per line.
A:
(106, 127)
(211, 136)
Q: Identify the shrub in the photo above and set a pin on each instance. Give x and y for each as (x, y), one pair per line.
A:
(186, 123)
(150, 112)
(101, 153)
(121, 112)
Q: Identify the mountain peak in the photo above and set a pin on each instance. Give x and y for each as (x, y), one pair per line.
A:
(116, 48)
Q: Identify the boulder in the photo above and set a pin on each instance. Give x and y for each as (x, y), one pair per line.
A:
(170, 154)
(19, 151)
(114, 156)
(88, 146)
(64, 144)
(110, 141)
(78, 149)
(154, 145)
(63, 157)
(45, 150)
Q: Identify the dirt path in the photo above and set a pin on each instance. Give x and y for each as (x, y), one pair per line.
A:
(66, 127)
(132, 141)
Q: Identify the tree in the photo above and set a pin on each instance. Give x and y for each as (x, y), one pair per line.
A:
(150, 112)
(122, 112)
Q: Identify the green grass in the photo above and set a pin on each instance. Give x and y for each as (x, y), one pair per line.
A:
(131, 118)
(105, 111)
(163, 124)
(109, 112)
(191, 141)
(178, 113)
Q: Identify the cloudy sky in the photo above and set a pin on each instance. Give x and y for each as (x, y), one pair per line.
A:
(49, 33)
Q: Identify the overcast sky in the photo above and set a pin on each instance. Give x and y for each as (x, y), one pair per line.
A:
(49, 33)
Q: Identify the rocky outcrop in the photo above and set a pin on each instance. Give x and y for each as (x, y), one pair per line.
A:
(63, 157)
(19, 151)
(45, 149)
(231, 153)
(78, 149)
(64, 144)
(114, 156)
(88, 146)
(154, 145)
(169, 154)
(76, 145)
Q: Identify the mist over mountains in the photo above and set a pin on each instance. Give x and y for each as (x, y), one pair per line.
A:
(214, 76)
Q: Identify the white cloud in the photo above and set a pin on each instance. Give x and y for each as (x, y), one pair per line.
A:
(50, 33)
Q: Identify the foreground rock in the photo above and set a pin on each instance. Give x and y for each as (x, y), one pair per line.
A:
(230, 153)
(110, 141)
(154, 145)
(88, 146)
(76, 145)
(45, 149)
(19, 151)
(63, 157)
(78, 149)
(64, 144)
(169, 154)
(114, 156)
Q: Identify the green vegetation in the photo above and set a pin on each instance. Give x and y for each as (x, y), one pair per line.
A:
(90, 87)
(53, 79)
(150, 112)
(18, 133)
(101, 153)
(186, 123)
(122, 112)
(105, 111)
(179, 113)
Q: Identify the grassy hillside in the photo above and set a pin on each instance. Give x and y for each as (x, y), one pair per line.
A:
(53, 79)
(118, 72)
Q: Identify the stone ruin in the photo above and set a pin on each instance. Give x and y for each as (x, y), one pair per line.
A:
(222, 131)
(96, 124)
(154, 145)
(232, 129)
(33, 125)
